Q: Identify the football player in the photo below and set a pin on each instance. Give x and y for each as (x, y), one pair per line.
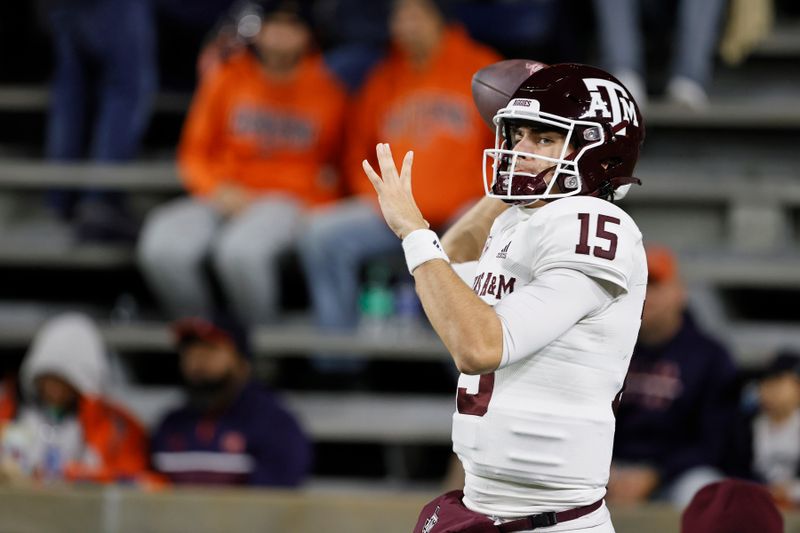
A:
(544, 328)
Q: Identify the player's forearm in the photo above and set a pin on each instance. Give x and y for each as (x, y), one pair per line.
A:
(469, 328)
(465, 239)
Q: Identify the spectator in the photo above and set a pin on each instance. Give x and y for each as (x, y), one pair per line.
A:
(103, 85)
(622, 46)
(258, 150)
(676, 408)
(418, 97)
(731, 506)
(769, 447)
(59, 426)
(231, 431)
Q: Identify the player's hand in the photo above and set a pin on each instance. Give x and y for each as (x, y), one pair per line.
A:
(394, 192)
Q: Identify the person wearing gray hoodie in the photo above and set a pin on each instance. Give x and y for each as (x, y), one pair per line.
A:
(59, 425)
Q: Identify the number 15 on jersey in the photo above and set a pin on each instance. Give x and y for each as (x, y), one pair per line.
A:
(602, 232)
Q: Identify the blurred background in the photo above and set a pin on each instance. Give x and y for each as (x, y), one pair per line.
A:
(136, 225)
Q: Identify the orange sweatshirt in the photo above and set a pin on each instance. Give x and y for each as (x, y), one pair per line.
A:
(116, 438)
(264, 134)
(431, 112)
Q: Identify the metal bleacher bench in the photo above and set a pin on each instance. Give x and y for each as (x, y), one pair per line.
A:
(284, 340)
(741, 112)
(25, 174)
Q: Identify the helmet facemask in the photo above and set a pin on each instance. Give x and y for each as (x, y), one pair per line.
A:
(561, 177)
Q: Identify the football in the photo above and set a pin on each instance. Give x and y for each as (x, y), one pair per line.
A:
(493, 86)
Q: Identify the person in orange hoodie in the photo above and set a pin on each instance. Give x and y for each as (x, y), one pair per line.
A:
(418, 97)
(258, 151)
(59, 426)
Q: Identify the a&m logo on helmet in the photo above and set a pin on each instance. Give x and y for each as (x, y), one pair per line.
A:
(610, 100)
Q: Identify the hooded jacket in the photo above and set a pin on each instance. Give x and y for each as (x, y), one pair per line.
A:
(69, 346)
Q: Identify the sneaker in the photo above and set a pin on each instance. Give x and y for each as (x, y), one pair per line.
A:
(687, 93)
(98, 221)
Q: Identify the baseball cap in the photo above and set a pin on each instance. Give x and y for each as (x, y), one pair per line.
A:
(661, 263)
(218, 328)
(731, 506)
(784, 362)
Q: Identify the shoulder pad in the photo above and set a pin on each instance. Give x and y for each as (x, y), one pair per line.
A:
(586, 234)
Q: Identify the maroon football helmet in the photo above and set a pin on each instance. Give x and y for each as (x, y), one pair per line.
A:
(603, 131)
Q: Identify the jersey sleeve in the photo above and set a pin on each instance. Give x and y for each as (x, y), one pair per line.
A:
(558, 299)
(589, 235)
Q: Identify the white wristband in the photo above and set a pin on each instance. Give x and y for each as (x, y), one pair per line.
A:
(421, 246)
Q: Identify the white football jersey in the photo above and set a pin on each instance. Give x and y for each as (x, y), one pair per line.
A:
(537, 434)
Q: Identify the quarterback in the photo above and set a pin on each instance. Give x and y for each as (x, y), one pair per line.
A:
(544, 328)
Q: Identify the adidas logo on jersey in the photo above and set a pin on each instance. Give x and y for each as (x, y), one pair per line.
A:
(502, 253)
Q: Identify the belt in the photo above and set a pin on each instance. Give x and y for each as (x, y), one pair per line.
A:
(548, 519)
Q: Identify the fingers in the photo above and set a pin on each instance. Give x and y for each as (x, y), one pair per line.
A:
(405, 172)
(388, 168)
(371, 174)
(386, 162)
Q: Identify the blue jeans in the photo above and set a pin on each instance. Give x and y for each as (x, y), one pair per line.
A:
(622, 47)
(105, 68)
(336, 242)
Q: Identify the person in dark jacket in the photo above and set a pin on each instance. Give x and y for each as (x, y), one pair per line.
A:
(231, 431)
(677, 404)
